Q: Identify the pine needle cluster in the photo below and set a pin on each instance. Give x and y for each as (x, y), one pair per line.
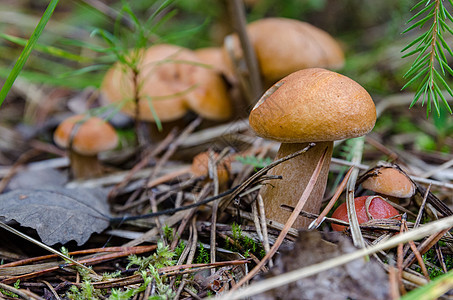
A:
(430, 66)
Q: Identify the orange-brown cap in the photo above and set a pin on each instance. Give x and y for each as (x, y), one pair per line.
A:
(390, 181)
(284, 46)
(155, 90)
(171, 80)
(215, 57)
(92, 136)
(313, 105)
(200, 167)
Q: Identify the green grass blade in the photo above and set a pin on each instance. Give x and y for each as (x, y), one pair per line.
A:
(54, 51)
(27, 50)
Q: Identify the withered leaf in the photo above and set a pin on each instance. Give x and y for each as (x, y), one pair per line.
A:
(59, 215)
(356, 280)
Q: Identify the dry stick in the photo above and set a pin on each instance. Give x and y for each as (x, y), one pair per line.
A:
(422, 208)
(88, 261)
(16, 291)
(443, 166)
(333, 200)
(52, 290)
(212, 170)
(416, 253)
(393, 283)
(256, 220)
(425, 246)
(440, 257)
(36, 242)
(237, 12)
(173, 146)
(169, 176)
(354, 227)
(131, 250)
(189, 214)
(262, 214)
(160, 147)
(289, 223)
(399, 263)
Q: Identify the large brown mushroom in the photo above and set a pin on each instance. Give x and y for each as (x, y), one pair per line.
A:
(283, 46)
(84, 137)
(311, 105)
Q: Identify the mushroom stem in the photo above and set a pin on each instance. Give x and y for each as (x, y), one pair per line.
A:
(84, 166)
(296, 173)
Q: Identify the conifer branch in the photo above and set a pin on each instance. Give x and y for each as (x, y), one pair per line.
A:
(430, 67)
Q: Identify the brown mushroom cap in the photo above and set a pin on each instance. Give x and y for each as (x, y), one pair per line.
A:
(93, 135)
(200, 167)
(284, 46)
(391, 182)
(171, 79)
(215, 57)
(313, 105)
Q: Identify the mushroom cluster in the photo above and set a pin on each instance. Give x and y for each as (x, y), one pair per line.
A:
(171, 81)
(311, 105)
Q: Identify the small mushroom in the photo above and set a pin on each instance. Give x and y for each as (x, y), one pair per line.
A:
(367, 208)
(200, 167)
(388, 180)
(311, 105)
(283, 46)
(84, 137)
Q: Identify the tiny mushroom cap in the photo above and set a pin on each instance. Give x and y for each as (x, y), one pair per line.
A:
(367, 208)
(84, 137)
(93, 135)
(310, 105)
(284, 46)
(200, 167)
(390, 181)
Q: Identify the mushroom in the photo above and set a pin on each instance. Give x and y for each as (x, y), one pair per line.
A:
(171, 80)
(84, 137)
(215, 57)
(311, 105)
(200, 168)
(284, 46)
(367, 208)
(388, 180)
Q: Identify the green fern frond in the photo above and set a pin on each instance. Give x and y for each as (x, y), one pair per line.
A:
(430, 67)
